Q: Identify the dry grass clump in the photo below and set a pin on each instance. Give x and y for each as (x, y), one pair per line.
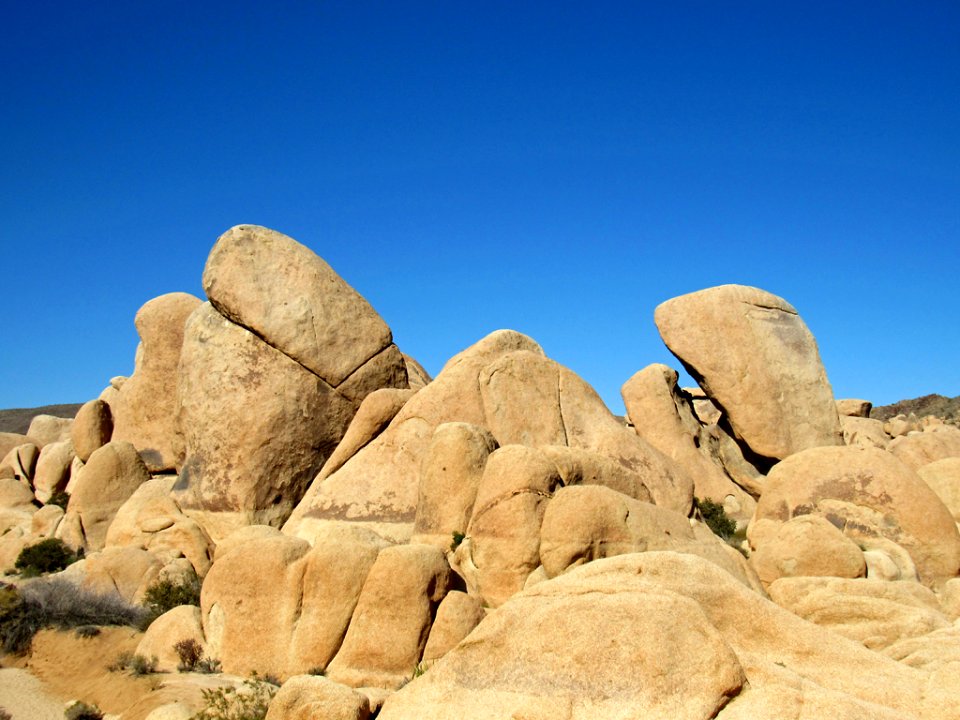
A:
(57, 603)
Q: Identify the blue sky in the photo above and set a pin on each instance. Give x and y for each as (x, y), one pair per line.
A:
(557, 168)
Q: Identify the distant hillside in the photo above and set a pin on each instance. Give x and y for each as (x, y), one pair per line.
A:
(18, 420)
(943, 407)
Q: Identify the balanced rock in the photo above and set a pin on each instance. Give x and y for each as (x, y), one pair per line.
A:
(756, 359)
(854, 408)
(866, 493)
(145, 407)
(92, 428)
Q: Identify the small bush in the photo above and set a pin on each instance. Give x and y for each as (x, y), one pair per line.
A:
(87, 631)
(458, 538)
(228, 703)
(57, 603)
(164, 595)
(60, 499)
(134, 664)
(190, 653)
(82, 711)
(317, 671)
(716, 518)
(208, 666)
(46, 556)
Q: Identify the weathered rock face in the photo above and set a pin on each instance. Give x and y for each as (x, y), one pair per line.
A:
(92, 428)
(756, 359)
(867, 493)
(272, 604)
(664, 417)
(506, 385)
(873, 612)
(235, 393)
(695, 640)
(284, 293)
(145, 407)
(806, 545)
(114, 473)
(389, 629)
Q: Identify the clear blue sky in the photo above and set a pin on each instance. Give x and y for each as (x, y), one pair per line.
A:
(558, 168)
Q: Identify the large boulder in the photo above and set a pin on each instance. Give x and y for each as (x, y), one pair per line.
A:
(657, 635)
(145, 407)
(756, 359)
(258, 426)
(284, 293)
(389, 628)
(505, 384)
(46, 429)
(866, 493)
(663, 416)
(114, 473)
(162, 636)
(20, 463)
(52, 472)
(306, 696)
(943, 477)
(273, 604)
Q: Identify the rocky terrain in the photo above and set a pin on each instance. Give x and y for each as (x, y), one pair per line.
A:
(363, 540)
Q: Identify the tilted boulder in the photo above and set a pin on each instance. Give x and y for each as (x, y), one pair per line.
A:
(145, 408)
(756, 359)
(92, 428)
(664, 417)
(866, 493)
(53, 469)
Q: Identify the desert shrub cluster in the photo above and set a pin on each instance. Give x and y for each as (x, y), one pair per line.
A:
(57, 603)
(47, 556)
(164, 595)
(250, 702)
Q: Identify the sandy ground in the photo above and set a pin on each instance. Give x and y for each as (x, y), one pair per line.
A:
(26, 698)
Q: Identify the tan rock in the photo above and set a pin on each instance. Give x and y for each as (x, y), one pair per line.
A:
(283, 292)
(806, 545)
(921, 449)
(564, 650)
(854, 408)
(867, 493)
(755, 358)
(8, 441)
(305, 697)
(12, 543)
(390, 625)
(902, 425)
(886, 560)
(950, 598)
(53, 469)
(450, 472)
(127, 572)
(229, 468)
(271, 604)
(20, 463)
(585, 467)
(16, 505)
(873, 612)
(417, 376)
(375, 413)
(586, 523)
(943, 477)
(457, 616)
(46, 429)
(664, 417)
(92, 428)
(105, 483)
(151, 519)
(502, 546)
(45, 521)
(160, 639)
(938, 649)
(703, 407)
(145, 407)
(863, 432)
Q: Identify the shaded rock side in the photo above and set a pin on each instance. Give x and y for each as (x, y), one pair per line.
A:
(756, 359)
(288, 296)
(258, 426)
(144, 409)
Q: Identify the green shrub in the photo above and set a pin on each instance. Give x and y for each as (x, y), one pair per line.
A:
(57, 603)
(82, 711)
(164, 595)
(208, 666)
(250, 702)
(60, 499)
(458, 537)
(716, 518)
(49, 555)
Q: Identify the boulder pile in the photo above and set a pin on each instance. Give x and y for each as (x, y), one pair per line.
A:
(494, 542)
